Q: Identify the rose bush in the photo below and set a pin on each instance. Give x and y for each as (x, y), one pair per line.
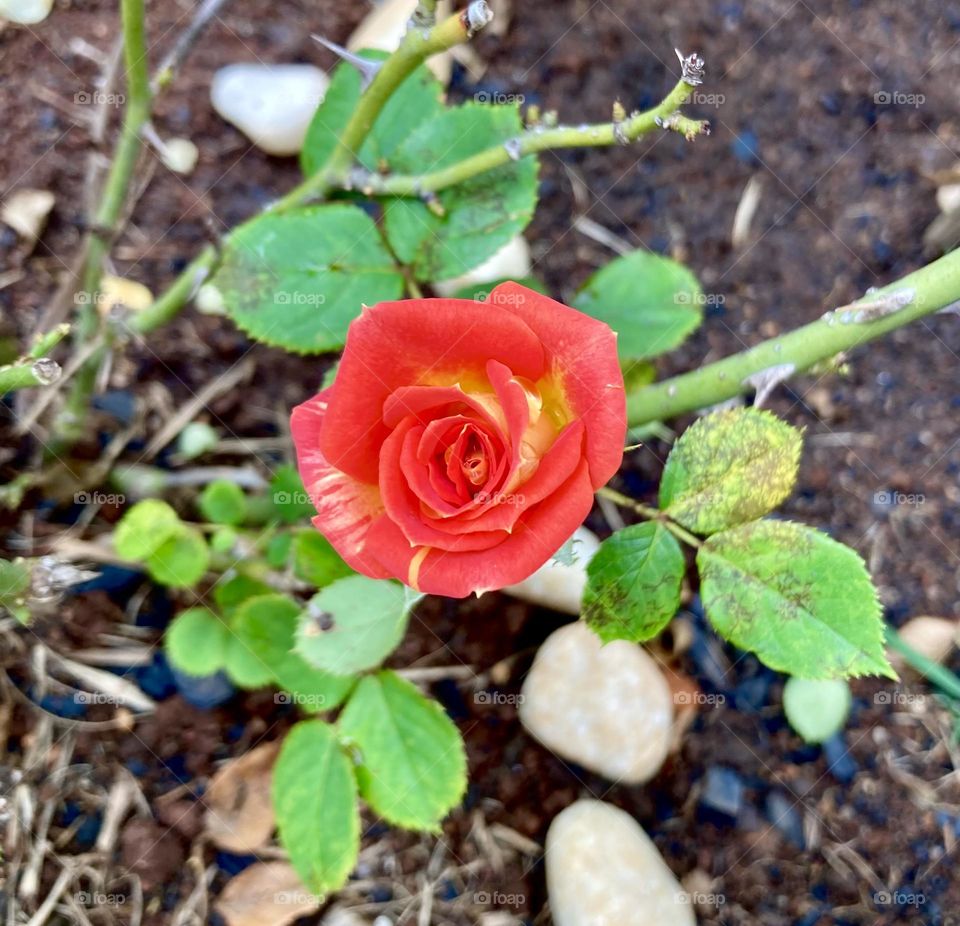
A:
(462, 441)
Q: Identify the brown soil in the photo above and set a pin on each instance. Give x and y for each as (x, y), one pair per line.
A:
(846, 195)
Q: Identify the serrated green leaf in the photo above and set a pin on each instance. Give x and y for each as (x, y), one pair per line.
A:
(290, 500)
(480, 215)
(633, 583)
(266, 625)
(480, 291)
(416, 100)
(296, 280)
(816, 708)
(223, 540)
(353, 625)
(223, 502)
(412, 769)
(278, 550)
(728, 468)
(144, 528)
(652, 302)
(196, 642)
(14, 585)
(798, 599)
(230, 592)
(315, 560)
(243, 665)
(315, 800)
(181, 560)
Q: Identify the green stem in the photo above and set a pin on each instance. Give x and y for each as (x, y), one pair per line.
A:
(415, 48)
(169, 303)
(532, 141)
(939, 675)
(41, 372)
(929, 289)
(69, 424)
(651, 514)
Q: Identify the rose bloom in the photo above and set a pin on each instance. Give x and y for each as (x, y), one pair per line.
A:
(461, 442)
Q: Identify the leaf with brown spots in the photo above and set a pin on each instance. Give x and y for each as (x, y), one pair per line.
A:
(729, 468)
(802, 602)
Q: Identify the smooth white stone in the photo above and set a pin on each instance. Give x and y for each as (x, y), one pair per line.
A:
(26, 212)
(511, 262)
(25, 11)
(607, 708)
(180, 155)
(604, 870)
(557, 586)
(948, 197)
(385, 25)
(272, 104)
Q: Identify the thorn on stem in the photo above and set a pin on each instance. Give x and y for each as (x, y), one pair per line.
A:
(692, 66)
(476, 16)
(368, 69)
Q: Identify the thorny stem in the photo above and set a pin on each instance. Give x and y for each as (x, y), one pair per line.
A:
(136, 114)
(534, 140)
(651, 514)
(915, 296)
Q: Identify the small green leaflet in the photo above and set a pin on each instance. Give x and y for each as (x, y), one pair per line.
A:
(266, 625)
(297, 279)
(196, 642)
(146, 526)
(816, 708)
(353, 625)
(417, 99)
(315, 800)
(480, 215)
(728, 468)
(14, 586)
(633, 583)
(412, 765)
(181, 560)
(652, 302)
(315, 560)
(223, 502)
(798, 599)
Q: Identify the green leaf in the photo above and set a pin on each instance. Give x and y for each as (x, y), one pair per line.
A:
(412, 767)
(223, 502)
(296, 280)
(232, 590)
(278, 550)
(315, 800)
(480, 215)
(633, 583)
(181, 560)
(243, 665)
(315, 560)
(14, 585)
(417, 99)
(266, 625)
(816, 708)
(652, 302)
(353, 625)
(144, 528)
(728, 468)
(798, 599)
(196, 642)
(290, 500)
(480, 291)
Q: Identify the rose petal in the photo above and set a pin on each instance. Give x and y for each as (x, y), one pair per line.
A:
(424, 341)
(582, 353)
(346, 508)
(537, 536)
(404, 508)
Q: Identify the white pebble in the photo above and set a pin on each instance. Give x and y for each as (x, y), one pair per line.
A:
(180, 155)
(26, 211)
(558, 586)
(604, 870)
(607, 708)
(25, 11)
(272, 104)
(511, 262)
